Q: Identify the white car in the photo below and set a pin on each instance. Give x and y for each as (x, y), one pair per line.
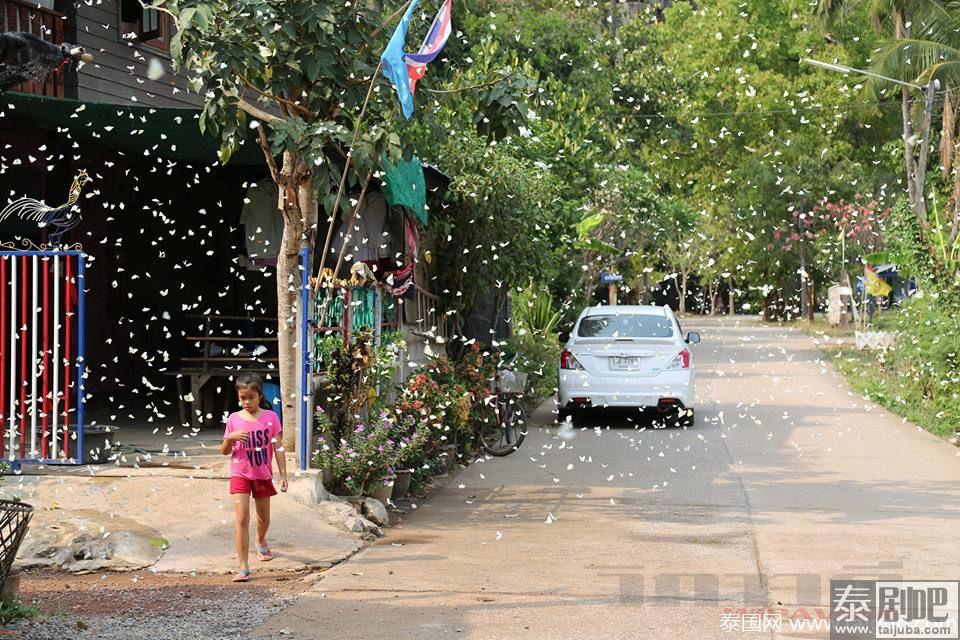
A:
(628, 356)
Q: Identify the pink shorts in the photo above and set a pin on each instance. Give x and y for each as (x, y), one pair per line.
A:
(257, 488)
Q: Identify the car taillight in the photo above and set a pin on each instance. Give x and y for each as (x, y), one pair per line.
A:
(567, 361)
(682, 361)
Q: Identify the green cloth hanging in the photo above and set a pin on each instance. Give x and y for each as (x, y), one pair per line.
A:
(406, 187)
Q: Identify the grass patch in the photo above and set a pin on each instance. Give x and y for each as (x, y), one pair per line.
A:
(867, 375)
(11, 610)
(918, 378)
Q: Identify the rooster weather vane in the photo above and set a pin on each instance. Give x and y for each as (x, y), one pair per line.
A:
(25, 57)
(61, 219)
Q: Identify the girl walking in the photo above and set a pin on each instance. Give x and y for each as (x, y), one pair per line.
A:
(250, 439)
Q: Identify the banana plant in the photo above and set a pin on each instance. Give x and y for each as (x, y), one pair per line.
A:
(945, 243)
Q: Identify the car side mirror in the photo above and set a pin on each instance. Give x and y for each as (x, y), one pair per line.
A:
(693, 337)
(564, 337)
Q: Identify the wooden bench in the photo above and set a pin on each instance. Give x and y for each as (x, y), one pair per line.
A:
(224, 352)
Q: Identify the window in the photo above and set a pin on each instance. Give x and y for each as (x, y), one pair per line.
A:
(625, 326)
(151, 27)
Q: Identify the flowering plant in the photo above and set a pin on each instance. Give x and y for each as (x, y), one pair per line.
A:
(858, 222)
(422, 403)
(476, 370)
(363, 454)
(441, 395)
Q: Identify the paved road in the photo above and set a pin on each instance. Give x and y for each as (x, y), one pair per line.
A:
(623, 531)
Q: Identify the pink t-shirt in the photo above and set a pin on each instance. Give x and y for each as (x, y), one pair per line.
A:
(253, 459)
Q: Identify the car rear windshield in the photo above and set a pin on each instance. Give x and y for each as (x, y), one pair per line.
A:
(625, 326)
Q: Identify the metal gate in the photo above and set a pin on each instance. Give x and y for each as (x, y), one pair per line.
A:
(42, 355)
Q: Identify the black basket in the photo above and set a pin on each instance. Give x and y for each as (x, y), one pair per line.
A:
(14, 520)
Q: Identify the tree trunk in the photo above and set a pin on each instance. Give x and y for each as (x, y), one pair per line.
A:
(676, 285)
(683, 294)
(293, 177)
(811, 299)
(914, 189)
(730, 292)
(287, 272)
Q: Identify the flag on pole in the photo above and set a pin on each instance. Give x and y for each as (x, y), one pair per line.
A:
(876, 286)
(431, 46)
(404, 69)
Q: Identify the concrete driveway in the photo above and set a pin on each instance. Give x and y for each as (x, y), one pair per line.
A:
(624, 531)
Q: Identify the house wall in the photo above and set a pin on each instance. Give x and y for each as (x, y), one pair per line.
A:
(119, 72)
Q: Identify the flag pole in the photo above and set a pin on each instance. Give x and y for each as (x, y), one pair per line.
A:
(343, 248)
(353, 142)
(343, 178)
(353, 218)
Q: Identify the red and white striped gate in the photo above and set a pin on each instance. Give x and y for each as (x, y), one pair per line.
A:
(41, 355)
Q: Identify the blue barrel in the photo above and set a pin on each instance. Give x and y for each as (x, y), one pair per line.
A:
(271, 391)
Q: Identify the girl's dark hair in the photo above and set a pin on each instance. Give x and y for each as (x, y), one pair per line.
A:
(252, 381)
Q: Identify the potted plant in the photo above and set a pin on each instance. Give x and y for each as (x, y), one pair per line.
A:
(410, 454)
(361, 462)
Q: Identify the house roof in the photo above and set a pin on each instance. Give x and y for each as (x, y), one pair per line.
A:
(140, 131)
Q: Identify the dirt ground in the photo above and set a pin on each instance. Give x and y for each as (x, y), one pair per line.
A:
(56, 593)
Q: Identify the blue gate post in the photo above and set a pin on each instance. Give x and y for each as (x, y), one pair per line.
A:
(305, 390)
(81, 353)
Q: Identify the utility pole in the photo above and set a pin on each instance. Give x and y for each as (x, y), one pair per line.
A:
(803, 269)
(920, 206)
(916, 169)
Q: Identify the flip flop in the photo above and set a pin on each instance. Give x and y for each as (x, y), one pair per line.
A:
(242, 576)
(264, 554)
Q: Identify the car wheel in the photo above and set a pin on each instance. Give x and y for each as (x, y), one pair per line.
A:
(562, 415)
(686, 417)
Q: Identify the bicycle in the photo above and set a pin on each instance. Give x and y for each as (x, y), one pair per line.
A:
(500, 422)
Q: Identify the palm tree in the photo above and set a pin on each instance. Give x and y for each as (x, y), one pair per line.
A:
(921, 46)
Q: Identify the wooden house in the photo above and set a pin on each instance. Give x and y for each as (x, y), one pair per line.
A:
(180, 278)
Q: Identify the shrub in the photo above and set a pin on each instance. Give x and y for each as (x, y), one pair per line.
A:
(11, 610)
(539, 357)
(364, 454)
(927, 354)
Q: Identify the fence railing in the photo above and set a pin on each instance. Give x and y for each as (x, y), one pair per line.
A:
(17, 15)
(42, 299)
(431, 320)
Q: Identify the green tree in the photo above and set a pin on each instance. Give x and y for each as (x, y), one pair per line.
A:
(298, 72)
(496, 231)
(919, 46)
(730, 124)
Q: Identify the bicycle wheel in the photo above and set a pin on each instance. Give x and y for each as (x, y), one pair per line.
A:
(502, 426)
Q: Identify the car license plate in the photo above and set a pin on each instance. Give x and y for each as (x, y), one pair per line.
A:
(622, 363)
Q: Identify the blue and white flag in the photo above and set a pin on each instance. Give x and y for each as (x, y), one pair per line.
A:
(404, 69)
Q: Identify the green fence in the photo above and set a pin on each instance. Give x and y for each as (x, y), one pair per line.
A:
(358, 304)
